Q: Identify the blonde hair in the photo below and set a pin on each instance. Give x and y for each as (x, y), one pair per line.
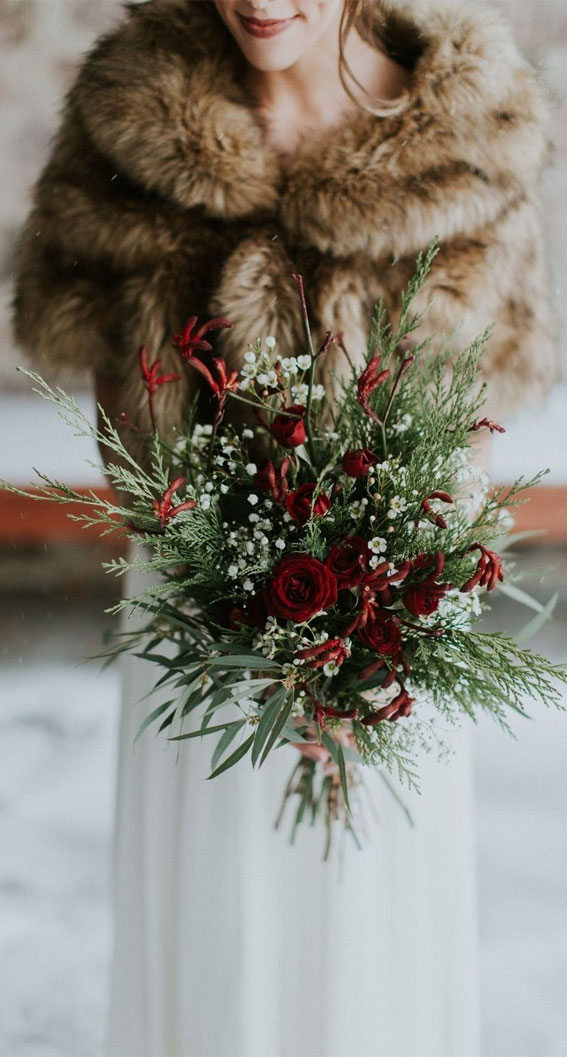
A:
(359, 14)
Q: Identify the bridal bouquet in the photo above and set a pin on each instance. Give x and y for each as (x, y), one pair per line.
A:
(322, 568)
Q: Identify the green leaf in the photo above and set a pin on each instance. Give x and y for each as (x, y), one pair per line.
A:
(249, 687)
(268, 718)
(336, 750)
(254, 663)
(520, 596)
(153, 715)
(234, 758)
(533, 626)
(167, 722)
(203, 731)
(277, 728)
(225, 740)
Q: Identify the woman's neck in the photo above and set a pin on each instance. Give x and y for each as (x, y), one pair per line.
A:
(309, 95)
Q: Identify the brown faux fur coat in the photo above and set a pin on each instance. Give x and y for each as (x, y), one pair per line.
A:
(162, 199)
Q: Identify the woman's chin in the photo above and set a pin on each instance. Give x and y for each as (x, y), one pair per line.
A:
(271, 57)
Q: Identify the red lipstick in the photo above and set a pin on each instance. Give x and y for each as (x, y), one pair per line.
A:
(266, 27)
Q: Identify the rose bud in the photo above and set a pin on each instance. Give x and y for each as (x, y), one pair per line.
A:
(381, 633)
(287, 431)
(298, 503)
(300, 587)
(348, 560)
(358, 462)
(423, 599)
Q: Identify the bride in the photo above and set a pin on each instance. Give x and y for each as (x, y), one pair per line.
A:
(208, 150)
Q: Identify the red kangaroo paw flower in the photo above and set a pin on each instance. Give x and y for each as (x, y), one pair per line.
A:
(325, 652)
(437, 519)
(369, 380)
(371, 669)
(190, 341)
(401, 705)
(488, 571)
(327, 341)
(164, 509)
(339, 713)
(423, 598)
(273, 479)
(487, 423)
(153, 379)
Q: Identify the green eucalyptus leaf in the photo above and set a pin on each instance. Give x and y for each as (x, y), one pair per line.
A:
(277, 728)
(225, 740)
(201, 733)
(534, 625)
(234, 758)
(267, 720)
(152, 716)
(511, 591)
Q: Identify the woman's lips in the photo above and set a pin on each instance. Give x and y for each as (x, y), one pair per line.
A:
(266, 27)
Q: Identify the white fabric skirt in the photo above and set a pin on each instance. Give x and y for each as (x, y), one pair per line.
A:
(230, 942)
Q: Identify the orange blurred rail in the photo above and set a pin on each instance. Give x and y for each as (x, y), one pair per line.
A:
(24, 522)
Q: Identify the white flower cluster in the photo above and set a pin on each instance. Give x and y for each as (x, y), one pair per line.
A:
(248, 545)
(201, 433)
(467, 605)
(275, 638)
(378, 546)
(259, 367)
(403, 424)
(251, 546)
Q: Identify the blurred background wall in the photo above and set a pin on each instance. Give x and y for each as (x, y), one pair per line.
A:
(59, 717)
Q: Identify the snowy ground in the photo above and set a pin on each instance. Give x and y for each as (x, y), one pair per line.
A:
(58, 745)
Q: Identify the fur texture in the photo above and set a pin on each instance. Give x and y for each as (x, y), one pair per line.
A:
(162, 198)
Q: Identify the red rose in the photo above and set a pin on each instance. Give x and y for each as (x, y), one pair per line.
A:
(298, 503)
(423, 599)
(348, 560)
(381, 632)
(358, 462)
(300, 587)
(290, 432)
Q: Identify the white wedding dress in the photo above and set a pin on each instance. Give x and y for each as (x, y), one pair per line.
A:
(230, 942)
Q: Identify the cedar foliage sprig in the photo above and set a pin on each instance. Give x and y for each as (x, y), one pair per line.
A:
(193, 502)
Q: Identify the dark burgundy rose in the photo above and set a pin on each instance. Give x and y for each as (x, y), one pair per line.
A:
(290, 432)
(299, 501)
(423, 599)
(300, 587)
(358, 462)
(381, 632)
(348, 560)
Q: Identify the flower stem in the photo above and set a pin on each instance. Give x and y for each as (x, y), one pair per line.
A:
(402, 370)
(263, 407)
(308, 426)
